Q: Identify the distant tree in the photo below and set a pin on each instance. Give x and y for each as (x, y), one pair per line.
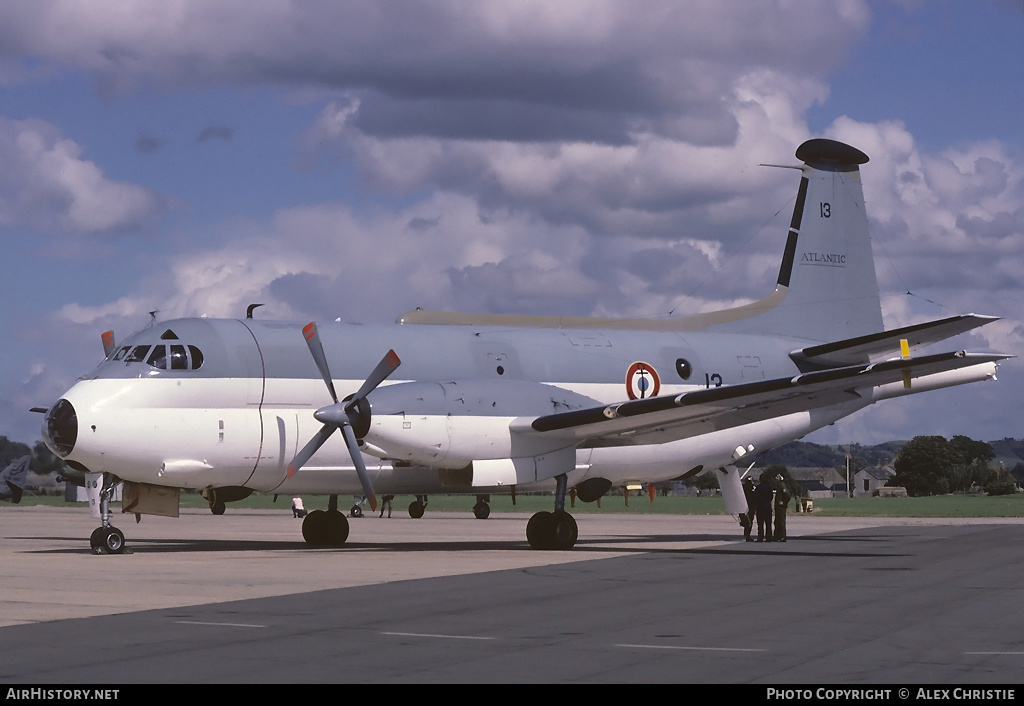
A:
(931, 465)
(703, 481)
(801, 454)
(1001, 482)
(44, 461)
(11, 451)
(976, 456)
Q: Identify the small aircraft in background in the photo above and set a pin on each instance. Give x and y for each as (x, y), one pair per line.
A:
(12, 479)
(484, 403)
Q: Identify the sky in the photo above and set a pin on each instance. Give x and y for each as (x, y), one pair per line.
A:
(360, 159)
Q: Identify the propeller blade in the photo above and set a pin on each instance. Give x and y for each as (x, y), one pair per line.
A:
(309, 449)
(385, 367)
(109, 346)
(316, 348)
(357, 459)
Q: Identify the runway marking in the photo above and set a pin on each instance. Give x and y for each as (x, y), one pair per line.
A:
(699, 649)
(994, 653)
(227, 625)
(446, 637)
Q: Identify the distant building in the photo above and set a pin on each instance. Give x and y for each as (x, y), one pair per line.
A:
(819, 482)
(867, 481)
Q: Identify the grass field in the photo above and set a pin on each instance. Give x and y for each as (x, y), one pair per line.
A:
(938, 506)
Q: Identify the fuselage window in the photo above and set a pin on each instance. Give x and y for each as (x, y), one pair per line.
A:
(197, 357)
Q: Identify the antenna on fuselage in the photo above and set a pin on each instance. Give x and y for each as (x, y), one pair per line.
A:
(250, 309)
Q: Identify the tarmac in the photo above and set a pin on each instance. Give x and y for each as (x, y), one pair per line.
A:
(240, 599)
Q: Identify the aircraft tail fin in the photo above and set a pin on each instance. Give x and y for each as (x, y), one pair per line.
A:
(826, 289)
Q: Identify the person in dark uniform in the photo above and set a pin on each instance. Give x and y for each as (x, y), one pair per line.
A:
(385, 504)
(747, 518)
(763, 495)
(782, 498)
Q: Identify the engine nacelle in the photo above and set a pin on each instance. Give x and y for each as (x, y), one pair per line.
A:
(450, 424)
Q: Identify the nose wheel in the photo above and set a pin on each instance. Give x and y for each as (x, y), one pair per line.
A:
(107, 539)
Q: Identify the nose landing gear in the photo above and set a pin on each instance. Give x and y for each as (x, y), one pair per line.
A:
(107, 539)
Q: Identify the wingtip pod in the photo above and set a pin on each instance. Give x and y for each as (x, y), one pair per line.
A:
(821, 151)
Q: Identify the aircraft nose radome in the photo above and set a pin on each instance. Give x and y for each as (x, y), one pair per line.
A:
(60, 428)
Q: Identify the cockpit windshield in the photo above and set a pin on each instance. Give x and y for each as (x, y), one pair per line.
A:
(162, 356)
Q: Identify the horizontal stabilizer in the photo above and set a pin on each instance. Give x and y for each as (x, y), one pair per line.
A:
(702, 411)
(853, 351)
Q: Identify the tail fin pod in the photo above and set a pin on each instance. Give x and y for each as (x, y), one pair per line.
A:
(827, 278)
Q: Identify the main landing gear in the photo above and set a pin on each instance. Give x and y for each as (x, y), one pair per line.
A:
(553, 530)
(107, 539)
(325, 528)
(482, 510)
(417, 507)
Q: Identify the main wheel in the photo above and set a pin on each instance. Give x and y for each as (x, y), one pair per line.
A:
(481, 511)
(218, 508)
(314, 528)
(416, 509)
(538, 530)
(337, 529)
(564, 531)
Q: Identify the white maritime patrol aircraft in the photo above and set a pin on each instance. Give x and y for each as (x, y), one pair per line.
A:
(486, 403)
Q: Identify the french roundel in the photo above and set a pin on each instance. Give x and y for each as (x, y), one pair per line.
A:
(642, 381)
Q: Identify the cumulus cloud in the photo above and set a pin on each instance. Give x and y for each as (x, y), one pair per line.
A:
(525, 71)
(47, 185)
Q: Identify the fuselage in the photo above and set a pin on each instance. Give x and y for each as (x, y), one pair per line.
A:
(197, 403)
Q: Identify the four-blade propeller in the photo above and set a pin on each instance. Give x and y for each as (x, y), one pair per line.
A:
(351, 415)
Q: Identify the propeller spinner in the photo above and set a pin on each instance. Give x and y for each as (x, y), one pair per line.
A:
(351, 416)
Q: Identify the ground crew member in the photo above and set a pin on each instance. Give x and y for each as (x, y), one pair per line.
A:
(747, 518)
(782, 498)
(763, 494)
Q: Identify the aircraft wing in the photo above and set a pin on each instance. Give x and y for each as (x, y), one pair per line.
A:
(660, 419)
(862, 348)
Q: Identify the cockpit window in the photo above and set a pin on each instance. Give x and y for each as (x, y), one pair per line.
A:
(158, 359)
(173, 356)
(178, 359)
(137, 354)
